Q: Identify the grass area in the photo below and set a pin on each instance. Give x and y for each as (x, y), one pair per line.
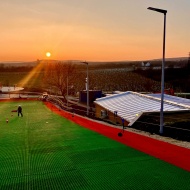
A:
(45, 151)
(12, 78)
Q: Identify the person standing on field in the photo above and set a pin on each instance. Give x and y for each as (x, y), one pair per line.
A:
(19, 110)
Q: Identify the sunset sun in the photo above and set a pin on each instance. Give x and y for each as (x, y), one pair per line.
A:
(48, 54)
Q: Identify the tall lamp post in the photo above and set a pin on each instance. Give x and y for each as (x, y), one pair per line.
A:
(67, 89)
(87, 111)
(163, 65)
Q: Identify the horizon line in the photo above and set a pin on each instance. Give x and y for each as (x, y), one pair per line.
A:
(154, 59)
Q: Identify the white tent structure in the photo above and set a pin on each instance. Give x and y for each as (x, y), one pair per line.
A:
(179, 100)
(10, 89)
(130, 105)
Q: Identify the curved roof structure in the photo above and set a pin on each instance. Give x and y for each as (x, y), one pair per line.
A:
(176, 99)
(10, 89)
(130, 105)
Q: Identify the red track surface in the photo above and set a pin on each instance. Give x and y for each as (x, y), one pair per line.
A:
(170, 153)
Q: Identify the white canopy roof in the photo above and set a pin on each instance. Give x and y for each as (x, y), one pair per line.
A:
(176, 99)
(10, 89)
(131, 104)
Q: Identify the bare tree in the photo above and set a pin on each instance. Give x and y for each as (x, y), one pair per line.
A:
(56, 75)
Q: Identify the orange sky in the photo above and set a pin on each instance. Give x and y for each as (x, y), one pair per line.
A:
(95, 30)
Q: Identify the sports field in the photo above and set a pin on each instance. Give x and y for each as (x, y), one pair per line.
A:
(44, 150)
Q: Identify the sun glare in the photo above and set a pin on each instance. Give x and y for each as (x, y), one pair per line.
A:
(48, 54)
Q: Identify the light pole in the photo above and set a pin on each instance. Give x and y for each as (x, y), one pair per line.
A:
(87, 111)
(163, 65)
(67, 89)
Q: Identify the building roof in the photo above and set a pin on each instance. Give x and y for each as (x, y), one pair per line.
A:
(10, 89)
(130, 105)
(176, 99)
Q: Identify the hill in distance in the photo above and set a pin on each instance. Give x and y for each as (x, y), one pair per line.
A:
(34, 63)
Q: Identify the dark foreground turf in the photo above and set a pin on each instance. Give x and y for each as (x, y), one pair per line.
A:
(45, 151)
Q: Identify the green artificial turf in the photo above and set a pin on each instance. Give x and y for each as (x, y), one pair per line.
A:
(45, 151)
